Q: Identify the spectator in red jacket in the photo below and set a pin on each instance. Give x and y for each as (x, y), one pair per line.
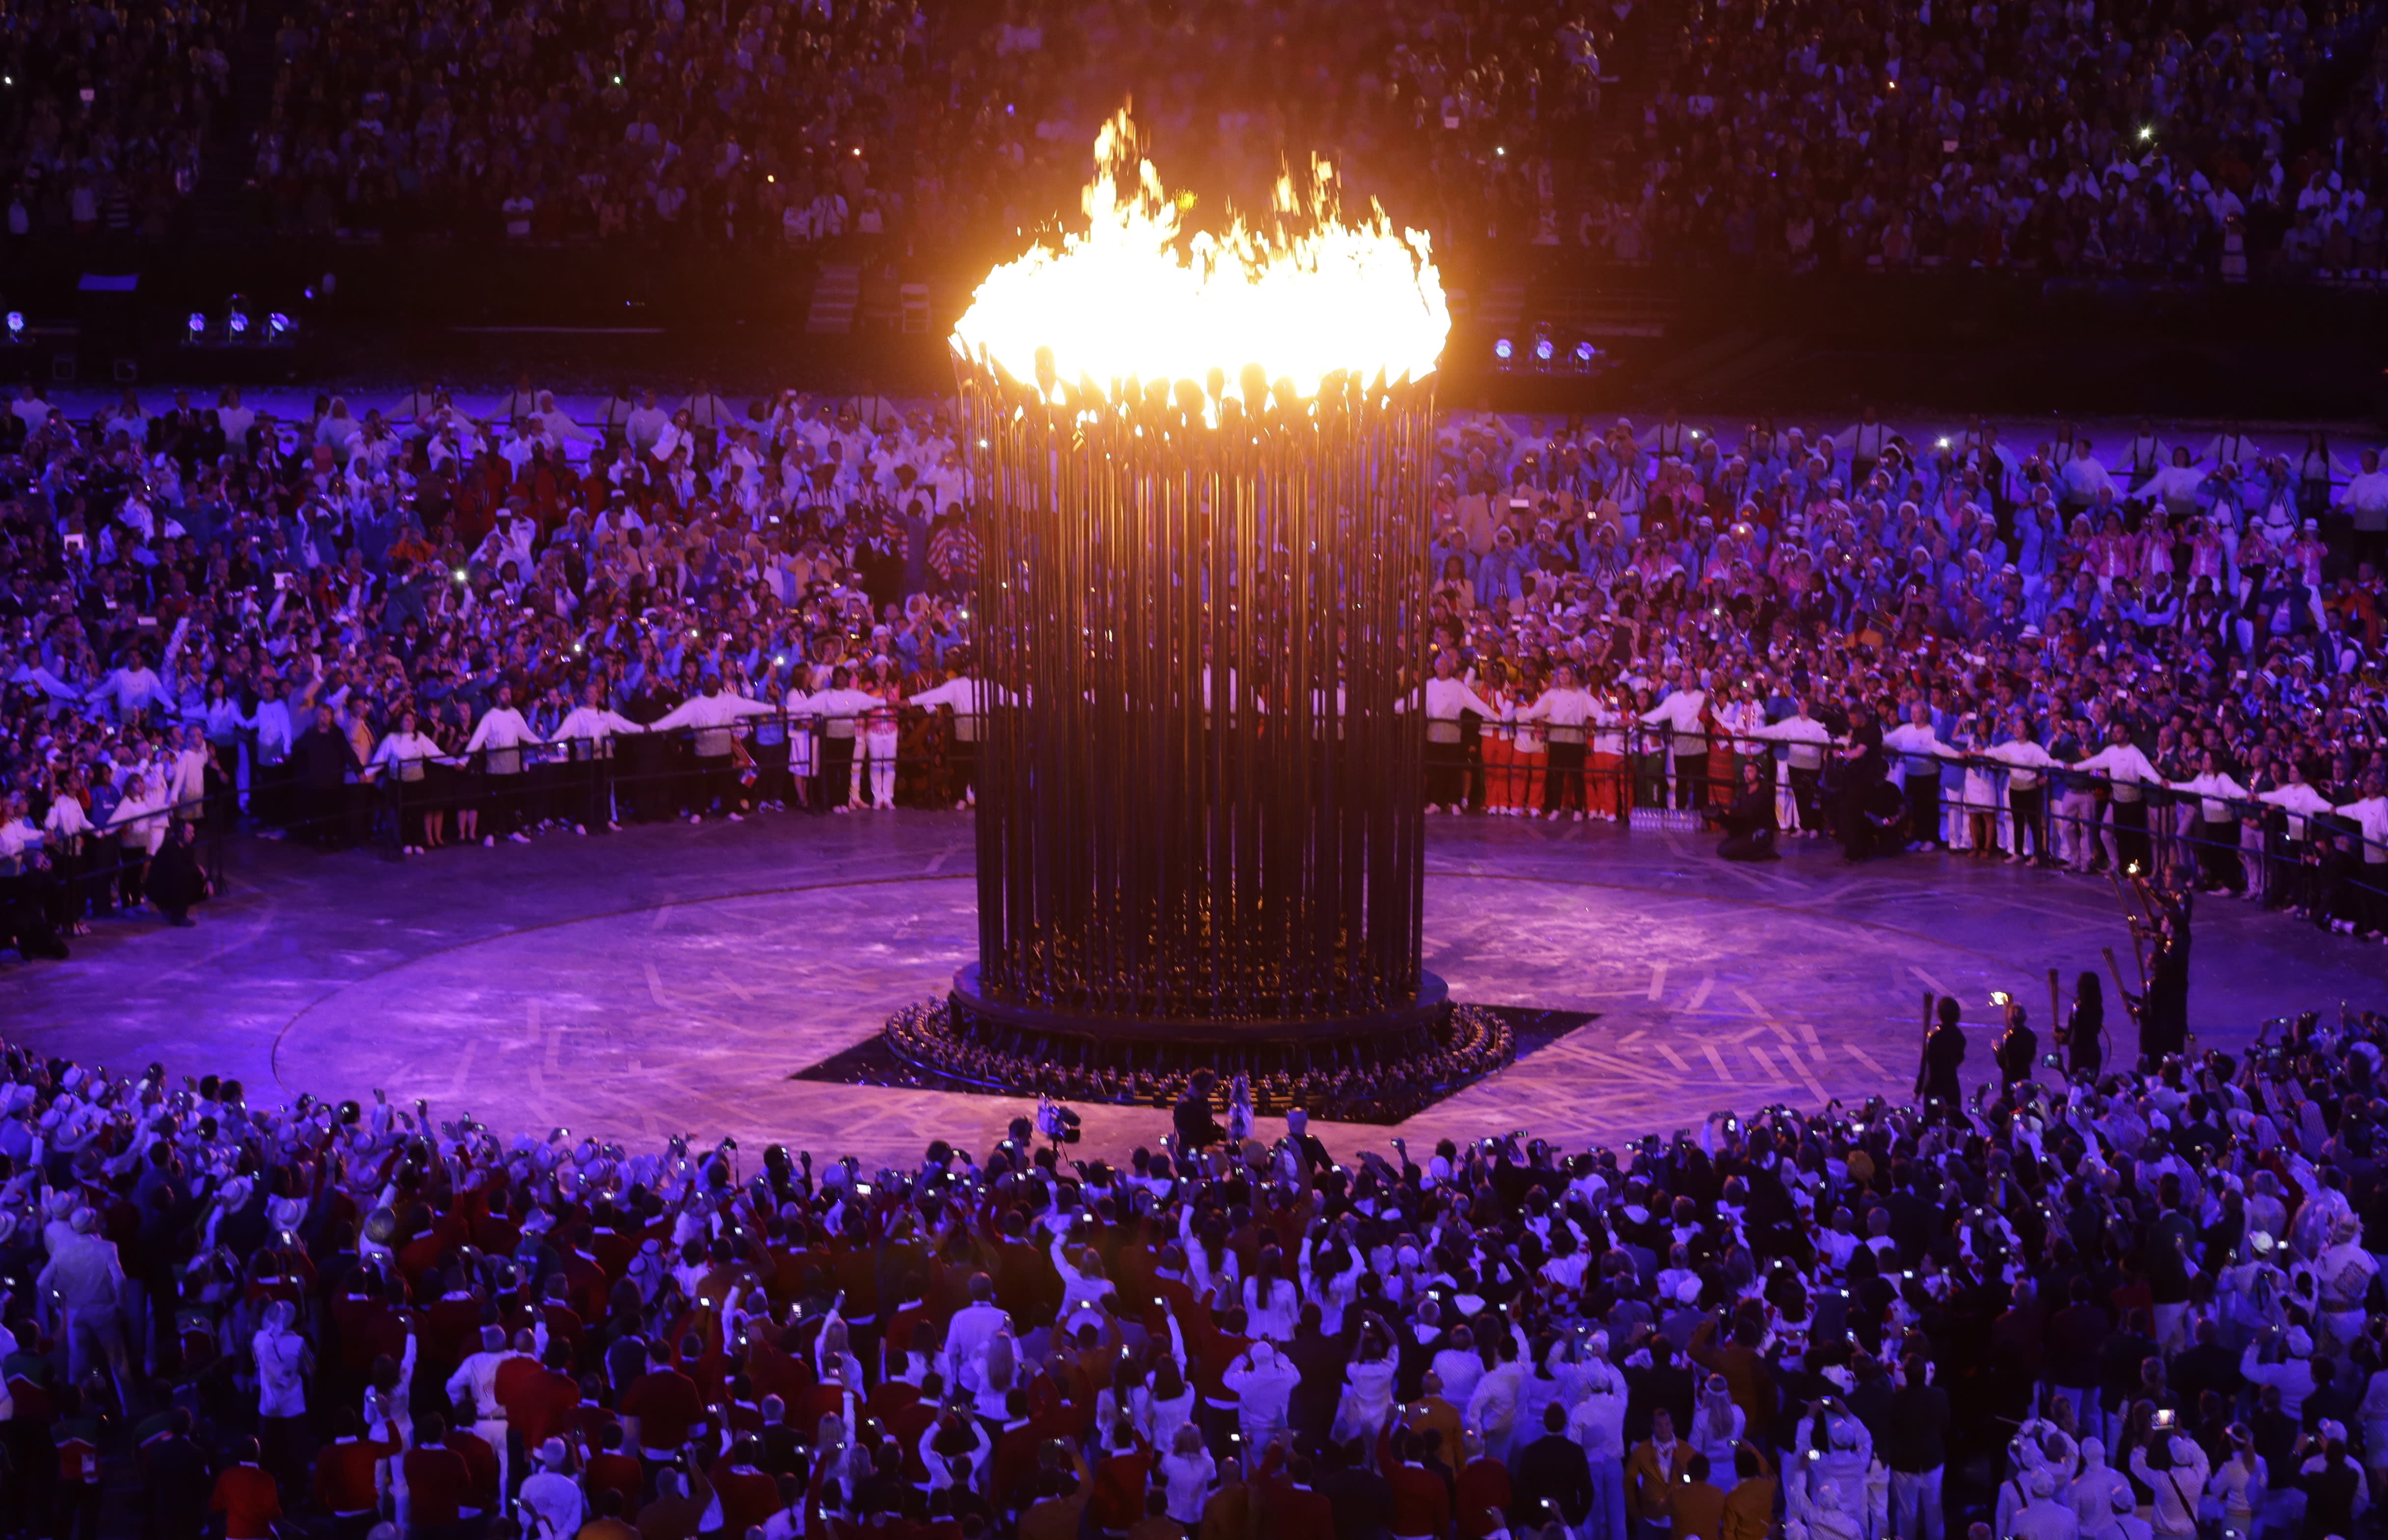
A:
(247, 1497)
(347, 1482)
(661, 1406)
(438, 1483)
(745, 1494)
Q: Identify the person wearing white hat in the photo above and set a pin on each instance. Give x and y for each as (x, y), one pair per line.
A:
(2293, 1373)
(551, 1505)
(2121, 1520)
(1264, 1383)
(2176, 1485)
(1598, 1422)
(2344, 1271)
(2044, 1518)
(83, 1279)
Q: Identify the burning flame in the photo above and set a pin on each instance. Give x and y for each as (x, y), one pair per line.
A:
(1123, 300)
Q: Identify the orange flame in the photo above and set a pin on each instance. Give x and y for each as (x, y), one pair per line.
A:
(1121, 302)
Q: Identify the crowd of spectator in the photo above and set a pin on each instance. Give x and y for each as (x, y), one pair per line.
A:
(2160, 655)
(103, 113)
(2197, 137)
(2167, 140)
(676, 124)
(430, 625)
(2114, 1305)
(210, 612)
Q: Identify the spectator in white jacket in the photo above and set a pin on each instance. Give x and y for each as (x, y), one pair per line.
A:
(283, 1362)
(2176, 1485)
(1264, 1383)
(2292, 1375)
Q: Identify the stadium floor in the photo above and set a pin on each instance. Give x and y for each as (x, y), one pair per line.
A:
(669, 979)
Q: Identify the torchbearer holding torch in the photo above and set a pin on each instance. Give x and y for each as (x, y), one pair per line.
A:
(1944, 1056)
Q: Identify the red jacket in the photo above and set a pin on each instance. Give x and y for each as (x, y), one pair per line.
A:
(748, 1496)
(438, 1487)
(343, 1474)
(250, 1502)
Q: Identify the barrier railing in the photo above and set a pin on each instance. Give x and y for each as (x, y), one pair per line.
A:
(1643, 776)
(58, 882)
(775, 759)
(2070, 818)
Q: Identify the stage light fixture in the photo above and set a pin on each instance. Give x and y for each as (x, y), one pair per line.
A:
(1583, 351)
(236, 315)
(1543, 350)
(1505, 350)
(278, 325)
(16, 325)
(199, 326)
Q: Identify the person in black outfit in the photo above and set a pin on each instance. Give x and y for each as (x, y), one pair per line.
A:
(1666, 1386)
(2329, 1492)
(1748, 824)
(1196, 1129)
(1914, 1444)
(1362, 1500)
(29, 903)
(1879, 826)
(1861, 772)
(2083, 1035)
(176, 1481)
(1943, 1055)
(320, 763)
(2164, 1011)
(1552, 1471)
(2017, 1052)
(176, 880)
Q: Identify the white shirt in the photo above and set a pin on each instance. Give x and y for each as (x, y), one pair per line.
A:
(281, 1372)
(1598, 1421)
(502, 731)
(593, 723)
(1446, 698)
(1806, 735)
(2365, 498)
(478, 1373)
(2023, 760)
(838, 709)
(1263, 1389)
(408, 751)
(2212, 790)
(1919, 744)
(2125, 766)
(1562, 707)
(969, 697)
(271, 723)
(712, 716)
(557, 1508)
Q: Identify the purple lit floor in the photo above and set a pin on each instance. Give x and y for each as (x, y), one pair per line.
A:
(669, 979)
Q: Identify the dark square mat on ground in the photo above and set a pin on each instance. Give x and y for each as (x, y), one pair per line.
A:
(873, 1063)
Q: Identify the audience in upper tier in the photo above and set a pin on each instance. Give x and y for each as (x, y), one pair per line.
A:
(2189, 138)
(2172, 139)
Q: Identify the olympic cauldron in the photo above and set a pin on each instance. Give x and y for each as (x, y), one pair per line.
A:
(1199, 623)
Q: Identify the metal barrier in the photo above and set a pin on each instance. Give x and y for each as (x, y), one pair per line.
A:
(59, 882)
(1636, 776)
(2321, 864)
(775, 759)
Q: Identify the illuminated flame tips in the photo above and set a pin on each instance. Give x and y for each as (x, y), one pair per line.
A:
(1276, 312)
